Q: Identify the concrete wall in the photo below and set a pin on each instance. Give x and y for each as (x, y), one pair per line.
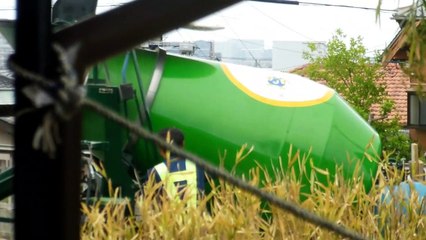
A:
(6, 205)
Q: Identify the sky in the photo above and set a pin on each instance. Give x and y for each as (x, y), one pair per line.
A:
(282, 22)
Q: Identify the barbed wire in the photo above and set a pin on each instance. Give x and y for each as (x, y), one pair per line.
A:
(74, 92)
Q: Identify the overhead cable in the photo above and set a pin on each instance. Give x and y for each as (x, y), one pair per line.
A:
(256, 61)
(281, 24)
(324, 5)
(347, 6)
(269, 1)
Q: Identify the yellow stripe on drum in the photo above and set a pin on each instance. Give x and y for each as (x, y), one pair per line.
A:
(327, 96)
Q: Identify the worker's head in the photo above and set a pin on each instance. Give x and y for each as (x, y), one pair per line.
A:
(171, 135)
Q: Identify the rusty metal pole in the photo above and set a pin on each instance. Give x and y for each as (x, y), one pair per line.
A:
(46, 189)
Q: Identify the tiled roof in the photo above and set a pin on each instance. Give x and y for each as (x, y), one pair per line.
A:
(397, 83)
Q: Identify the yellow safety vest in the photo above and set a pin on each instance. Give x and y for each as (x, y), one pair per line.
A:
(171, 181)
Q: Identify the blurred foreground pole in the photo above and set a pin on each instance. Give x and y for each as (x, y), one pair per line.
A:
(417, 171)
(414, 161)
(46, 189)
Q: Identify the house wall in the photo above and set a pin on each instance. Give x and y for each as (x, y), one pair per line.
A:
(6, 205)
(397, 83)
(419, 136)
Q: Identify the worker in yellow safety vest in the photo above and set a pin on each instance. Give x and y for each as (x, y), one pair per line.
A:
(178, 176)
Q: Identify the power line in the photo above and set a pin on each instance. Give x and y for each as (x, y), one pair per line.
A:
(240, 40)
(278, 1)
(347, 6)
(256, 62)
(280, 23)
(299, 3)
(255, 43)
(180, 34)
(324, 5)
(241, 58)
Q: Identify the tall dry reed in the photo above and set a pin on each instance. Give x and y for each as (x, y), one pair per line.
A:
(229, 213)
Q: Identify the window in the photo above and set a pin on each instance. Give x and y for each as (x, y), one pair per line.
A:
(416, 110)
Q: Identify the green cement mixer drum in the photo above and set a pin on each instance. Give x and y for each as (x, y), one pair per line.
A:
(220, 107)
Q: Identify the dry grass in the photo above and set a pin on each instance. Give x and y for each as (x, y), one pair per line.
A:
(229, 213)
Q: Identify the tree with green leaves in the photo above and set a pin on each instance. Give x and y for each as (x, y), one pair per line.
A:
(345, 66)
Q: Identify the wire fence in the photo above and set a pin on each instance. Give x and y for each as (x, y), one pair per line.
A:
(67, 95)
